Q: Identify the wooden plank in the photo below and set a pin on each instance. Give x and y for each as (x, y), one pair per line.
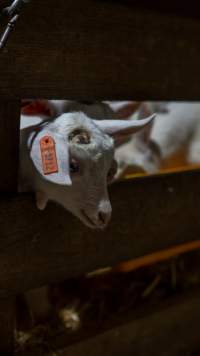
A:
(149, 214)
(7, 321)
(101, 49)
(9, 138)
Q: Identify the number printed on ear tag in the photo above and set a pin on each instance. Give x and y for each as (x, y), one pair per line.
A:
(48, 153)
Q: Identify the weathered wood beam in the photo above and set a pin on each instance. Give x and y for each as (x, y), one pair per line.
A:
(149, 214)
(101, 49)
(9, 148)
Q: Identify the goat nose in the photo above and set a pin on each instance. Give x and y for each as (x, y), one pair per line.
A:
(104, 217)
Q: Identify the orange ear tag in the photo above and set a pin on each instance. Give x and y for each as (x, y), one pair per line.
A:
(48, 153)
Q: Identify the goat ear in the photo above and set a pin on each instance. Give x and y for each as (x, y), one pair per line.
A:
(37, 107)
(50, 159)
(120, 128)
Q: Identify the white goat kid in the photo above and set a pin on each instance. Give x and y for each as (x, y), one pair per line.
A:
(85, 155)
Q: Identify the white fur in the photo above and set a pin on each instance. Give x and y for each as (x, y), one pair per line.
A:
(174, 129)
(176, 126)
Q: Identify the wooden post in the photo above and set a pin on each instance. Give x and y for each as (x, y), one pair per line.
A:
(9, 144)
(9, 147)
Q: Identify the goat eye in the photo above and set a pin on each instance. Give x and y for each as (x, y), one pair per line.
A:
(112, 171)
(80, 137)
(74, 166)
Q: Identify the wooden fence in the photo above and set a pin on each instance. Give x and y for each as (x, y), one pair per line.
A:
(87, 50)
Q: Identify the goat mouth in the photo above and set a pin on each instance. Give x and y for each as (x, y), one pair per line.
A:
(88, 221)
